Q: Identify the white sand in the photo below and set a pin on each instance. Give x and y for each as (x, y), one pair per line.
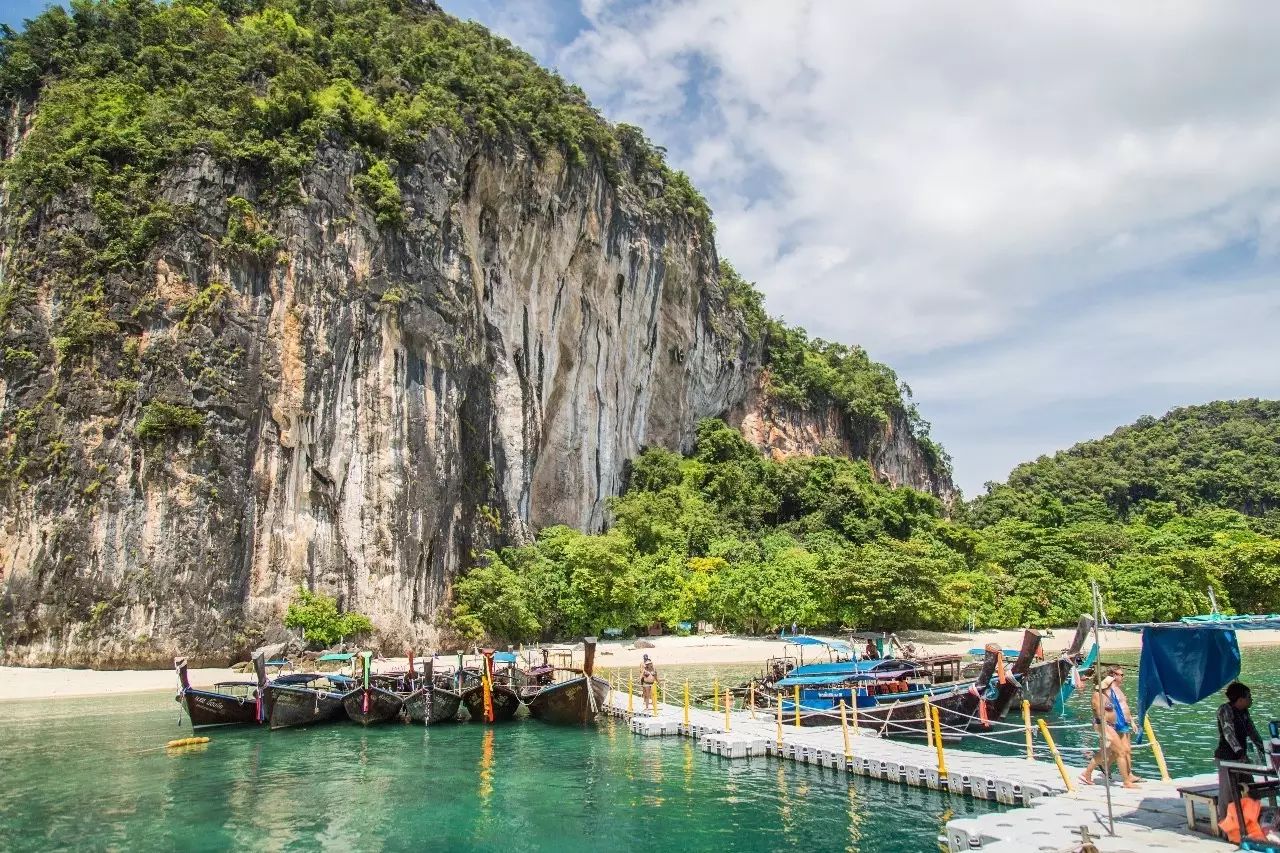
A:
(39, 683)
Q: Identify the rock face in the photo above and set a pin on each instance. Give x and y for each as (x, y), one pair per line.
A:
(344, 400)
(894, 454)
(378, 403)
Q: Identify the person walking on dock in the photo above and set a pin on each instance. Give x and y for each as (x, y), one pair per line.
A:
(1114, 725)
(648, 678)
(1235, 729)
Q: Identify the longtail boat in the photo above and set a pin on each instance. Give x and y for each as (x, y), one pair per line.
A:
(305, 698)
(369, 704)
(227, 703)
(1049, 684)
(963, 706)
(488, 700)
(575, 701)
(432, 702)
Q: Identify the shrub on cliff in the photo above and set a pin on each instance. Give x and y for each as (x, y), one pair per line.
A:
(321, 623)
(160, 418)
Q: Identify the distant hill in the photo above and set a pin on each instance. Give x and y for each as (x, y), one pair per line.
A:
(1224, 454)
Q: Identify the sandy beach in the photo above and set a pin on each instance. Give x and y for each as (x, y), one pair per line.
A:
(40, 683)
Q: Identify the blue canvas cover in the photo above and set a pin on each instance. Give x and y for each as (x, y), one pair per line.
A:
(504, 657)
(1182, 664)
(805, 640)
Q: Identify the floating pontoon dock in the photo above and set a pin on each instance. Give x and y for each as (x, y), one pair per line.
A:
(1151, 818)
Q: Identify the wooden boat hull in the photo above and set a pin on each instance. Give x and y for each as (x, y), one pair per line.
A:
(207, 709)
(367, 706)
(506, 702)
(300, 706)
(568, 703)
(443, 706)
(1043, 683)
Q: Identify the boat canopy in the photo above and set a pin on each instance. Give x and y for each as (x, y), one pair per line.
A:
(847, 666)
(805, 640)
(336, 656)
(838, 677)
(1248, 622)
(1183, 663)
(504, 657)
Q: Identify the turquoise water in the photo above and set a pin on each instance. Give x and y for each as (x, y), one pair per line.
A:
(75, 776)
(84, 774)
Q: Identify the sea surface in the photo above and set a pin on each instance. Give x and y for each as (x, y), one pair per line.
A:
(86, 774)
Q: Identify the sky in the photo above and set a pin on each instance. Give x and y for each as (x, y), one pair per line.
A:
(1049, 218)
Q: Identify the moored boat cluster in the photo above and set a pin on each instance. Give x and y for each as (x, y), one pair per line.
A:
(493, 692)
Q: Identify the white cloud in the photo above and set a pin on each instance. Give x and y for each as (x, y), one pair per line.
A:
(930, 180)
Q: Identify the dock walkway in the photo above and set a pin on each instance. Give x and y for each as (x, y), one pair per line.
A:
(1149, 819)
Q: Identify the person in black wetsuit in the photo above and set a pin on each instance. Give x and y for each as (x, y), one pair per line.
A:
(1235, 730)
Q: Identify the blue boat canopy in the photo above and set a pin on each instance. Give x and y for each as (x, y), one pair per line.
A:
(338, 656)
(837, 678)
(504, 657)
(1185, 663)
(805, 640)
(1009, 653)
(1257, 622)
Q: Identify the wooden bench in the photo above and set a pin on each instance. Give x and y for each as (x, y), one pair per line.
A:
(1206, 795)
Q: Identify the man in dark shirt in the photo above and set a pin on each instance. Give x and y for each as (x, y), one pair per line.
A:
(1235, 729)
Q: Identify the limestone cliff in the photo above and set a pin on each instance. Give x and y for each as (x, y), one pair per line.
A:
(893, 452)
(219, 384)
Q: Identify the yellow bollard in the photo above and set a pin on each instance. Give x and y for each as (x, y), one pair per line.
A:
(631, 696)
(797, 699)
(779, 724)
(751, 699)
(928, 720)
(1053, 748)
(844, 730)
(686, 705)
(937, 740)
(1155, 747)
(854, 694)
(715, 693)
(1026, 723)
(728, 703)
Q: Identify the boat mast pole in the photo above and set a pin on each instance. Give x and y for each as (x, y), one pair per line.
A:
(1102, 728)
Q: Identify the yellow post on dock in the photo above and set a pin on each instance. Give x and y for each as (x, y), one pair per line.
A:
(728, 703)
(797, 700)
(686, 704)
(1155, 748)
(844, 730)
(751, 698)
(1026, 724)
(928, 721)
(631, 696)
(1057, 758)
(779, 724)
(937, 742)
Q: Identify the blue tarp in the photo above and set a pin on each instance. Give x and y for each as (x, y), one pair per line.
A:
(847, 666)
(1183, 664)
(504, 657)
(804, 640)
(834, 678)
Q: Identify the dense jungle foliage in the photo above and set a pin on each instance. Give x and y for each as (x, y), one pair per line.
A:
(750, 544)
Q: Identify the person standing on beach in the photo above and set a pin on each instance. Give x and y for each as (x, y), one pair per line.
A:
(648, 678)
(1235, 729)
